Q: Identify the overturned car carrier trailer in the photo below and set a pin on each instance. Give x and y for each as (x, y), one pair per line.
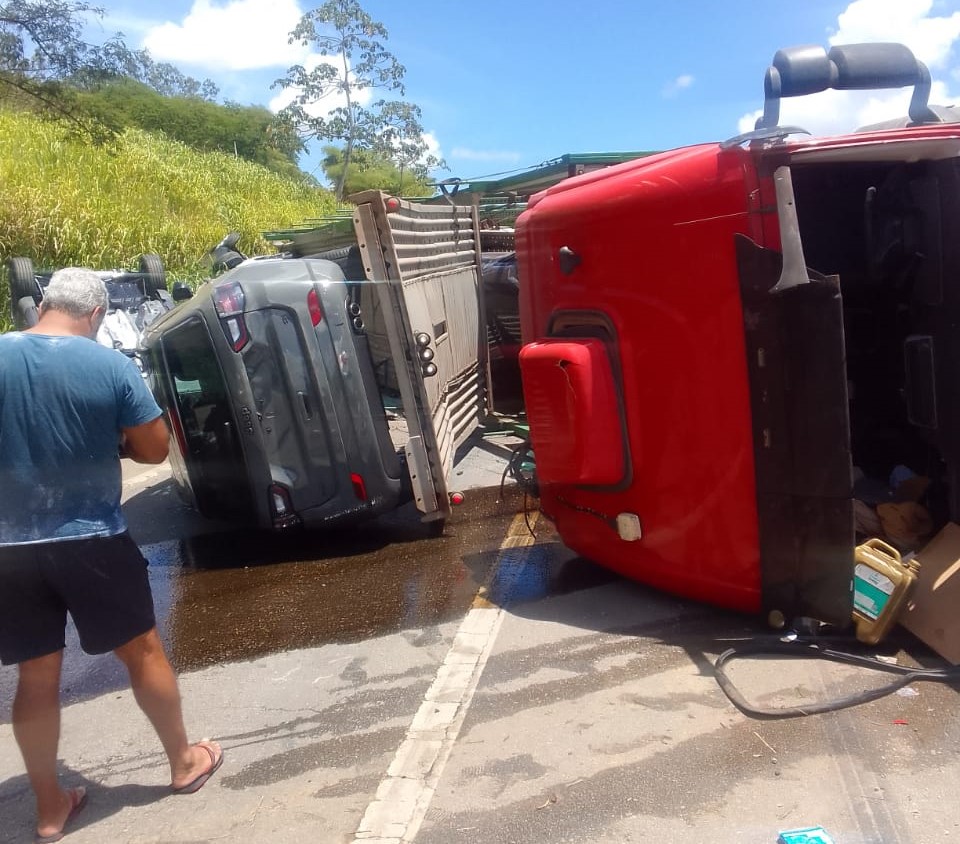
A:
(334, 382)
(716, 335)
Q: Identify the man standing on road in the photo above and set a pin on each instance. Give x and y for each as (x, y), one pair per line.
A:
(66, 403)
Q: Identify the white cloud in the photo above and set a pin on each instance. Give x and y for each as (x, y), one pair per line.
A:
(113, 21)
(485, 155)
(906, 21)
(433, 145)
(910, 22)
(675, 86)
(244, 36)
(235, 36)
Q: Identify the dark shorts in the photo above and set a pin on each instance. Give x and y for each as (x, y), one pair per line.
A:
(102, 582)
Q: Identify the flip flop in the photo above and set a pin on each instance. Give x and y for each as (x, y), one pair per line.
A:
(197, 783)
(78, 799)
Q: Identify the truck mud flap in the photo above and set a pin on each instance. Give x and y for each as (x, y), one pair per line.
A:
(798, 394)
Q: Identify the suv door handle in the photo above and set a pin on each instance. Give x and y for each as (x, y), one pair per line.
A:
(305, 401)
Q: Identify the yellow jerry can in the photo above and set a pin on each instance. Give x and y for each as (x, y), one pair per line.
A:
(882, 583)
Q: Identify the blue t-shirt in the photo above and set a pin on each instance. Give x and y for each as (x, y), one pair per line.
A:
(63, 402)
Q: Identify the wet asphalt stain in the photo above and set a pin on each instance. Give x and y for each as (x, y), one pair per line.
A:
(351, 713)
(507, 771)
(672, 784)
(337, 752)
(241, 595)
(236, 596)
(493, 706)
(353, 672)
(223, 596)
(363, 785)
(424, 638)
(345, 734)
(580, 660)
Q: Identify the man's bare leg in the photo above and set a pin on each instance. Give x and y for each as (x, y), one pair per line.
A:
(155, 688)
(36, 726)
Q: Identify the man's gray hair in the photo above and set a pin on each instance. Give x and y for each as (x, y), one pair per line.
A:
(75, 291)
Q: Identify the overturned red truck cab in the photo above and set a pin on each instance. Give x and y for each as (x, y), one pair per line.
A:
(715, 336)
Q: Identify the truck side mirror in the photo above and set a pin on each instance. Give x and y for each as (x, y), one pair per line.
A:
(797, 71)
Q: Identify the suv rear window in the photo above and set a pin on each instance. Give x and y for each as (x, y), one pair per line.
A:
(209, 428)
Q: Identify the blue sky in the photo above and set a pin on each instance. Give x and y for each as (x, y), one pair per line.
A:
(508, 85)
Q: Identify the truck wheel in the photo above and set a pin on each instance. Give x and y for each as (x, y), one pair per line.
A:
(349, 260)
(156, 277)
(24, 313)
(435, 528)
(23, 281)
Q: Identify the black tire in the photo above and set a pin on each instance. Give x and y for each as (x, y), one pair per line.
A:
(349, 260)
(25, 313)
(151, 266)
(23, 280)
(226, 259)
(435, 528)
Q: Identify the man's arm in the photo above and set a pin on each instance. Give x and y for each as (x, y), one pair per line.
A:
(146, 443)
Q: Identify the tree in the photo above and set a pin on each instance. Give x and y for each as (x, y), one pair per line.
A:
(44, 61)
(400, 140)
(369, 170)
(344, 32)
(40, 46)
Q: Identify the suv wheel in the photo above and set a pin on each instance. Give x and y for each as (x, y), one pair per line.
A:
(24, 313)
(23, 280)
(151, 266)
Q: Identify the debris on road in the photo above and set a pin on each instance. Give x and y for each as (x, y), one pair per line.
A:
(807, 835)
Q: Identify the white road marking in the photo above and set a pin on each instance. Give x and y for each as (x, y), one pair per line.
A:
(403, 797)
(136, 477)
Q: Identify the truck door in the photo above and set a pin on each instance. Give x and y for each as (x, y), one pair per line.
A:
(794, 332)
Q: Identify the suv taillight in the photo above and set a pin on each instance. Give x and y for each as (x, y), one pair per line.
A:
(313, 305)
(229, 300)
(282, 513)
(359, 486)
(173, 415)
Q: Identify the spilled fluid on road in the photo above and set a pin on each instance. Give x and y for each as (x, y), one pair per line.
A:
(244, 594)
(235, 595)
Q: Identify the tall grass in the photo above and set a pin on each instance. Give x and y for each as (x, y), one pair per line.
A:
(64, 202)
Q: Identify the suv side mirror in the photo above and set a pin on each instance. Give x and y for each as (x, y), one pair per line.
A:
(181, 292)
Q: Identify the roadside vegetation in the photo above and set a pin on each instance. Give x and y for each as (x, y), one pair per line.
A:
(250, 132)
(106, 153)
(64, 201)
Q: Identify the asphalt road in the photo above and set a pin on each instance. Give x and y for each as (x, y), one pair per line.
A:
(377, 685)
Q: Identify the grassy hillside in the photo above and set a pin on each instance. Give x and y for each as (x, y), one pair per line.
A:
(66, 203)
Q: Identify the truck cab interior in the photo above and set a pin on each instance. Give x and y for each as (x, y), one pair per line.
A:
(887, 227)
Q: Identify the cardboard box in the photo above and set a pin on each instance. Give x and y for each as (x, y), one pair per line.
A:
(931, 613)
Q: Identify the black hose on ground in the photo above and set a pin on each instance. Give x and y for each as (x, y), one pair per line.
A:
(520, 467)
(819, 649)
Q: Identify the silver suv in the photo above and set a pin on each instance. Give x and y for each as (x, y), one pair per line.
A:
(269, 387)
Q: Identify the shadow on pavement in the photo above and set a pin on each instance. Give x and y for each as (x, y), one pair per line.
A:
(19, 812)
